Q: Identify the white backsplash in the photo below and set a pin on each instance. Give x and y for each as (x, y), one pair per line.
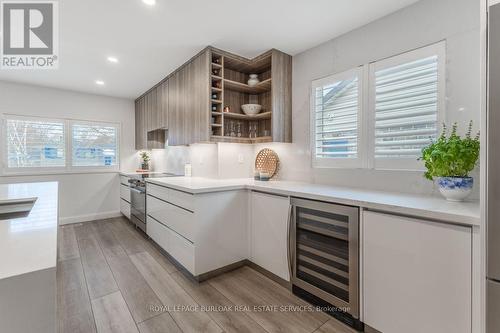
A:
(230, 160)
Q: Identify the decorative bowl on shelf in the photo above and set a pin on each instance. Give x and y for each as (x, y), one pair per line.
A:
(251, 109)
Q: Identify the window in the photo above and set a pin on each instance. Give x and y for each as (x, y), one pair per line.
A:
(336, 105)
(389, 122)
(35, 143)
(59, 145)
(94, 144)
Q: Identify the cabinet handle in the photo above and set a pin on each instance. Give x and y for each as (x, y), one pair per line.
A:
(289, 243)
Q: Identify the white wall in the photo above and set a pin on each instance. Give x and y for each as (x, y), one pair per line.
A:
(82, 196)
(425, 22)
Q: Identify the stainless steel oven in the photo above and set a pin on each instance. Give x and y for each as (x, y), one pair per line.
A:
(137, 185)
(324, 255)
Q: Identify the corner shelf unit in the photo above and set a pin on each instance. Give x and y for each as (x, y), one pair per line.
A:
(229, 90)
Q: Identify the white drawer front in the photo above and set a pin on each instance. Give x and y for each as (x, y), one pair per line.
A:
(181, 250)
(177, 219)
(157, 232)
(125, 208)
(124, 180)
(182, 199)
(125, 192)
(178, 198)
(157, 191)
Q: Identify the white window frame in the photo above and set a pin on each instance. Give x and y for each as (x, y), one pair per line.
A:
(409, 163)
(68, 153)
(366, 112)
(338, 162)
(100, 123)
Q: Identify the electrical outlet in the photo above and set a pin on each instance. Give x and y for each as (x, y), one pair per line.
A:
(240, 158)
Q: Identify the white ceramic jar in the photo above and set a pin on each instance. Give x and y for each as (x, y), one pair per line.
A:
(253, 80)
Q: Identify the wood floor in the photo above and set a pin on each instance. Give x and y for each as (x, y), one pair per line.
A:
(112, 279)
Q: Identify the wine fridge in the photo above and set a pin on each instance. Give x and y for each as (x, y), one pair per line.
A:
(323, 257)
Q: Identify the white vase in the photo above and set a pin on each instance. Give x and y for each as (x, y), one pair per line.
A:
(455, 188)
(253, 80)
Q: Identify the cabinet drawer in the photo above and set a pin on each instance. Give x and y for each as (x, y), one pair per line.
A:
(157, 232)
(181, 250)
(177, 219)
(175, 245)
(124, 180)
(182, 199)
(125, 192)
(178, 198)
(125, 208)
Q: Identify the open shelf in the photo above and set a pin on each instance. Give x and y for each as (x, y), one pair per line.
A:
(234, 139)
(261, 87)
(263, 115)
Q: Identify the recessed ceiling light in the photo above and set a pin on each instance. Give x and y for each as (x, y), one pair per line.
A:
(99, 82)
(113, 59)
(149, 2)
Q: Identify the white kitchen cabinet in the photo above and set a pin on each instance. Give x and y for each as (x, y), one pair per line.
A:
(125, 192)
(125, 208)
(416, 275)
(176, 218)
(268, 232)
(202, 232)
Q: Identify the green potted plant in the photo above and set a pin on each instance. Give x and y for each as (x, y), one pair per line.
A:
(145, 158)
(449, 160)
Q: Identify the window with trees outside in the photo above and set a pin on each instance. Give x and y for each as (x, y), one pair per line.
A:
(379, 115)
(44, 144)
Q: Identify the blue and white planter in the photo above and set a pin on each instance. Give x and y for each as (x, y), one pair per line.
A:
(455, 188)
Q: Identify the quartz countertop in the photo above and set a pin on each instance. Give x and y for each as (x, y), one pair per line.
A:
(29, 243)
(431, 207)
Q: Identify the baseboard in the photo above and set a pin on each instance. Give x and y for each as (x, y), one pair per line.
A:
(89, 217)
(269, 275)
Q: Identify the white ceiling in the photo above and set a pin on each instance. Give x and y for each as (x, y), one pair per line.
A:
(152, 41)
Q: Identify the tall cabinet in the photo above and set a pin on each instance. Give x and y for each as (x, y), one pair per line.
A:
(201, 101)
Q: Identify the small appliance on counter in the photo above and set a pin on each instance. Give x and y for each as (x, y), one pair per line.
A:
(137, 184)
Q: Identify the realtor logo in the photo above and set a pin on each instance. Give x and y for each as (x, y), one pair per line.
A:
(29, 34)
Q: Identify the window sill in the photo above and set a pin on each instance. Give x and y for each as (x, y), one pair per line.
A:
(57, 173)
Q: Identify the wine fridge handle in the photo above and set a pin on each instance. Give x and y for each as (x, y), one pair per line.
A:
(289, 241)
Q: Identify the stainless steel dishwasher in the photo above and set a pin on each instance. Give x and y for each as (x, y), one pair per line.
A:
(324, 257)
(138, 203)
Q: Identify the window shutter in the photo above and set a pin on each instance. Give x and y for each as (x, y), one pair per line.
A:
(94, 144)
(406, 108)
(336, 109)
(35, 143)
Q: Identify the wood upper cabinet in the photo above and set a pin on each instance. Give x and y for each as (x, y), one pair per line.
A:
(188, 94)
(174, 110)
(156, 113)
(151, 119)
(190, 101)
(281, 96)
(140, 124)
(229, 89)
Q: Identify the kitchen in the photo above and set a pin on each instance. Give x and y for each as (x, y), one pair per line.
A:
(294, 178)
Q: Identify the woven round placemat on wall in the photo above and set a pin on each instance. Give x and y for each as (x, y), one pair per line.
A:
(267, 161)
